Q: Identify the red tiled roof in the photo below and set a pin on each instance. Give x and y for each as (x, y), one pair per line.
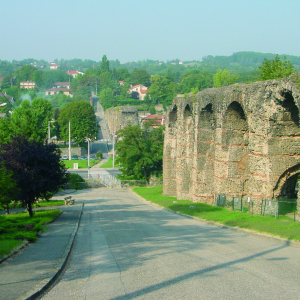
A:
(62, 83)
(143, 91)
(71, 72)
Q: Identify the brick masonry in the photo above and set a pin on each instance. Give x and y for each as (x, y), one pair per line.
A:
(240, 140)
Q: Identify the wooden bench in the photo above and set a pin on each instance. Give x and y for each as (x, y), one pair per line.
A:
(69, 200)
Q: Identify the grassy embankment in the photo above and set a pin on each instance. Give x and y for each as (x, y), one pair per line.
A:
(17, 228)
(283, 227)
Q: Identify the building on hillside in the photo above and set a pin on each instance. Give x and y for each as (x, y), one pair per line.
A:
(121, 82)
(138, 91)
(53, 66)
(73, 73)
(62, 85)
(6, 98)
(29, 85)
(54, 91)
(156, 120)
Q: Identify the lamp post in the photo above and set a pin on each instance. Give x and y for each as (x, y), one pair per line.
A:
(69, 140)
(88, 141)
(114, 149)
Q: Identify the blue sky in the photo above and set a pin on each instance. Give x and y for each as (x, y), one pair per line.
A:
(132, 30)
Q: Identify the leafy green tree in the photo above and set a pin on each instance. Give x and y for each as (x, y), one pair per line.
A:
(140, 76)
(104, 65)
(36, 168)
(8, 188)
(25, 73)
(83, 121)
(276, 68)
(31, 120)
(223, 77)
(7, 81)
(106, 98)
(162, 90)
(195, 79)
(140, 151)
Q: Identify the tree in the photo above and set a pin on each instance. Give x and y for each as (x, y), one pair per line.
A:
(276, 68)
(83, 121)
(104, 65)
(37, 169)
(223, 77)
(31, 120)
(140, 76)
(140, 151)
(8, 189)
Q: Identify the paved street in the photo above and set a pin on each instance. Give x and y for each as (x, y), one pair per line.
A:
(128, 249)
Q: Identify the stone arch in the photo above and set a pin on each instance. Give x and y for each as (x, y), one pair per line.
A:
(204, 149)
(233, 151)
(285, 186)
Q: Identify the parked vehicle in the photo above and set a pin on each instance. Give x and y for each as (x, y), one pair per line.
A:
(74, 157)
(65, 157)
(83, 157)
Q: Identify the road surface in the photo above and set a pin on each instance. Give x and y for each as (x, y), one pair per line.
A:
(127, 248)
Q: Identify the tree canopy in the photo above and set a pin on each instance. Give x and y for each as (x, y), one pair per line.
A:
(140, 151)
(275, 69)
(83, 121)
(36, 168)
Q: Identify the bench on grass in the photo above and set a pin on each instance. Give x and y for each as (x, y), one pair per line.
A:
(69, 200)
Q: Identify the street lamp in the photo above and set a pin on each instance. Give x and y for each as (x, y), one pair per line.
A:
(114, 136)
(69, 140)
(88, 141)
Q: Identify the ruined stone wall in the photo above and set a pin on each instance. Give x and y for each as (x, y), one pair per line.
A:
(240, 140)
(119, 117)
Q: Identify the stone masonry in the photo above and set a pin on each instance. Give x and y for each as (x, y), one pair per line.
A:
(119, 117)
(240, 140)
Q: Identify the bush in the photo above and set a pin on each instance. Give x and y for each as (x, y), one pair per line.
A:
(99, 154)
(75, 180)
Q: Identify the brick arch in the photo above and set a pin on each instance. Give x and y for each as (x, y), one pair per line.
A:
(173, 115)
(187, 112)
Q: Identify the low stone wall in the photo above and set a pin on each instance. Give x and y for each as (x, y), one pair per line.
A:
(74, 151)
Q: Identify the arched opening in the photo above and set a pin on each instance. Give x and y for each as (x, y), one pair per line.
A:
(187, 112)
(289, 105)
(173, 116)
(232, 162)
(286, 186)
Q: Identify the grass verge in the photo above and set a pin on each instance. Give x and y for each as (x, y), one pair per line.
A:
(108, 164)
(82, 163)
(19, 227)
(42, 203)
(283, 227)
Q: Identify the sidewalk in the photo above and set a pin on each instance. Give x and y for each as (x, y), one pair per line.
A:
(36, 266)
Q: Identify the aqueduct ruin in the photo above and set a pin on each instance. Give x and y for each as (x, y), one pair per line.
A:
(240, 140)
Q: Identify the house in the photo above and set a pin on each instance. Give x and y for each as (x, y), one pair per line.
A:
(121, 82)
(157, 120)
(139, 90)
(53, 66)
(27, 85)
(7, 98)
(62, 84)
(73, 73)
(54, 91)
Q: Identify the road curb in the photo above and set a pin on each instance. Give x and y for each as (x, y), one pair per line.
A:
(57, 270)
(243, 230)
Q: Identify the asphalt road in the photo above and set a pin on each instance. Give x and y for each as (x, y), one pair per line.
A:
(129, 249)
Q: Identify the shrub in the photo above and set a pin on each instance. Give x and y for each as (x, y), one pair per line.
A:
(75, 180)
(99, 154)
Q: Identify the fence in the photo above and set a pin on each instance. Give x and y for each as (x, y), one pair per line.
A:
(279, 207)
(236, 203)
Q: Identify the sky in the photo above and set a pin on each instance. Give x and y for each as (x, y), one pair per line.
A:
(132, 30)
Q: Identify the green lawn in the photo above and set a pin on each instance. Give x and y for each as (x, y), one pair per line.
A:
(42, 203)
(283, 227)
(82, 163)
(19, 227)
(108, 164)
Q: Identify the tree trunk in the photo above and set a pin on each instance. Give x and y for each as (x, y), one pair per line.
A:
(29, 209)
(7, 209)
